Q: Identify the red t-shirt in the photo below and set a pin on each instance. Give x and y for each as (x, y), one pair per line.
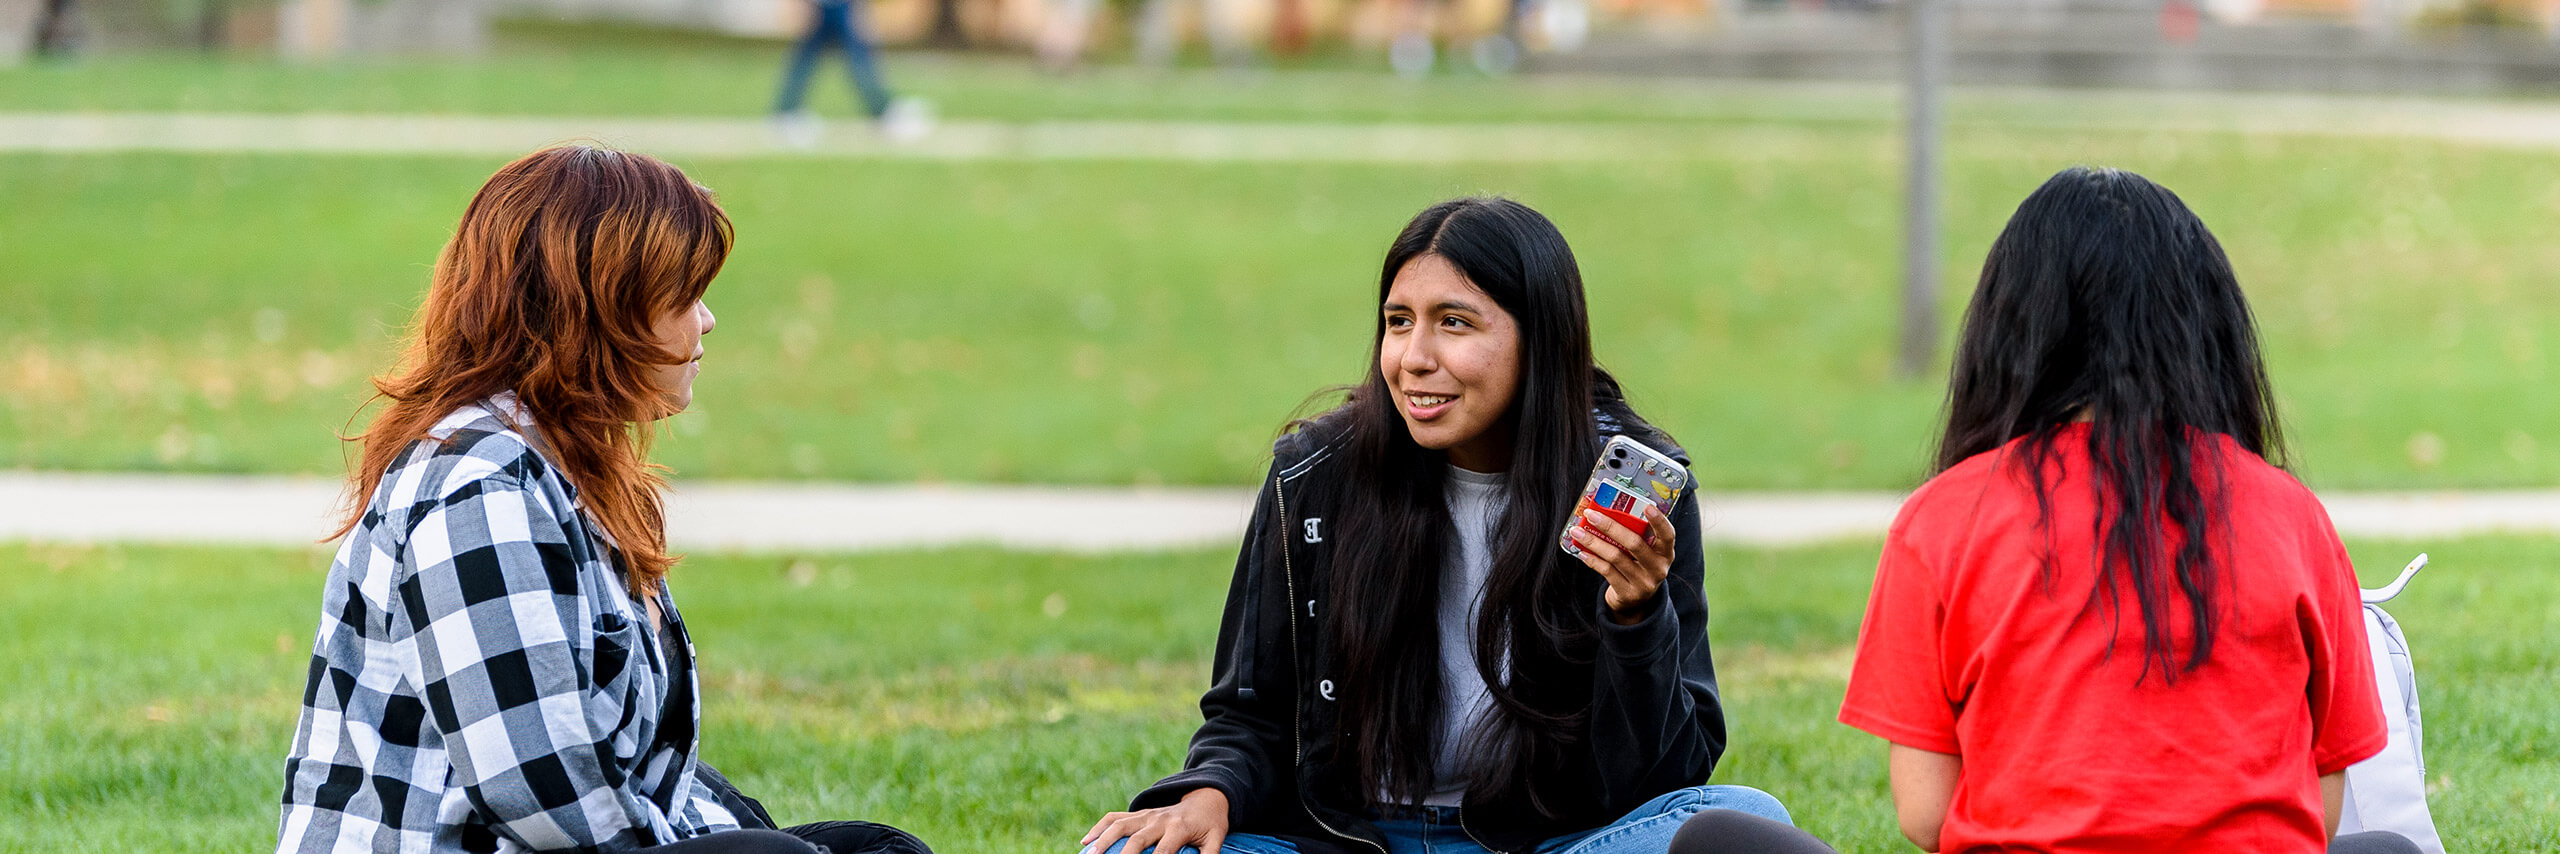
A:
(2068, 747)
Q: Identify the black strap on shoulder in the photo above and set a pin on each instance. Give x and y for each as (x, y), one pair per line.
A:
(750, 814)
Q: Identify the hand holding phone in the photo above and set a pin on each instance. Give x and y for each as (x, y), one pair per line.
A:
(1628, 479)
(1619, 527)
(1615, 503)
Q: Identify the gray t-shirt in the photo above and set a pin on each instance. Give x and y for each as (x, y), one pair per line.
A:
(1475, 508)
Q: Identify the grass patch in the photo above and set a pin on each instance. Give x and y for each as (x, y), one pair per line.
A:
(999, 701)
(1135, 322)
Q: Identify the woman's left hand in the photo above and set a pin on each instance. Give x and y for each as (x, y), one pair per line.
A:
(1634, 566)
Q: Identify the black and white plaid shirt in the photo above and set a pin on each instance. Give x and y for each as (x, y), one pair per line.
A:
(481, 680)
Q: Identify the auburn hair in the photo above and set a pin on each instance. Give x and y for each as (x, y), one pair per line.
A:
(551, 288)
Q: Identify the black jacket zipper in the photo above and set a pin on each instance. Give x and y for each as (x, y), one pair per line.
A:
(1297, 712)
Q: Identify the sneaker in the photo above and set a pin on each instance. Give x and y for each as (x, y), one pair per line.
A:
(908, 119)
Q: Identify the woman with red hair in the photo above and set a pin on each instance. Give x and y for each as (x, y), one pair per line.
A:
(499, 665)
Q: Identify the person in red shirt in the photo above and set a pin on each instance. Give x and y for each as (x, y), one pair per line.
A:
(2109, 623)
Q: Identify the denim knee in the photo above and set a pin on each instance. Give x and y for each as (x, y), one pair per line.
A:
(1742, 799)
(1122, 847)
(1236, 843)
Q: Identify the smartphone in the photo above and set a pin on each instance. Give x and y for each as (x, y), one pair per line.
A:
(1629, 479)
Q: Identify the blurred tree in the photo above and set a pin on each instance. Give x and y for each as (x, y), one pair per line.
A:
(946, 26)
(209, 24)
(53, 29)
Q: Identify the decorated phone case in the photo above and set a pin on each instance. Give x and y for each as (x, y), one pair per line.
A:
(1628, 479)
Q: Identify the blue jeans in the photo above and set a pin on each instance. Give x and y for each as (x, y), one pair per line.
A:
(1646, 830)
(838, 24)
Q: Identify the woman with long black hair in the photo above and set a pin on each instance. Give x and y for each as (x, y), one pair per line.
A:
(1408, 662)
(2109, 623)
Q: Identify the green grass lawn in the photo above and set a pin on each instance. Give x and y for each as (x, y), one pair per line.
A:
(1134, 322)
(1143, 322)
(999, 702)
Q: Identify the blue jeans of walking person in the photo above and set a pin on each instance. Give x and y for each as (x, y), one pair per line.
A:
(838, 24)
(1645, 830)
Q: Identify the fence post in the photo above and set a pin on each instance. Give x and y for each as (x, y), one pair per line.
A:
(1926, 43)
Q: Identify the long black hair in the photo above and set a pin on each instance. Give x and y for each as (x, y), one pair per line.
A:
(1537, 611)
(2106, 300)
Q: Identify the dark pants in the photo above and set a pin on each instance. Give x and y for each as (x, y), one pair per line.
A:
(1732, 832)
(826, 837)
(758, 835)
(838, 24)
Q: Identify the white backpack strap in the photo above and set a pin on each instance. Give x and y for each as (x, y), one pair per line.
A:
(2387, 592)
(2389, 791)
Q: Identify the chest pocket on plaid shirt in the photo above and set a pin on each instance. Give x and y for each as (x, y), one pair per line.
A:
(622, 684)
(616, 640)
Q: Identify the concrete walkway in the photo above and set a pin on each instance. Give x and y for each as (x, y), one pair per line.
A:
(288, 511)
(2521, 124)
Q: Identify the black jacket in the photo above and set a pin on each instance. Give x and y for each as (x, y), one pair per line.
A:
(1267, 738)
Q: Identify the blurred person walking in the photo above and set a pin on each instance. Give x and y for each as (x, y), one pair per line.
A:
(838, 24)
(499, 664)
(2110, 622)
